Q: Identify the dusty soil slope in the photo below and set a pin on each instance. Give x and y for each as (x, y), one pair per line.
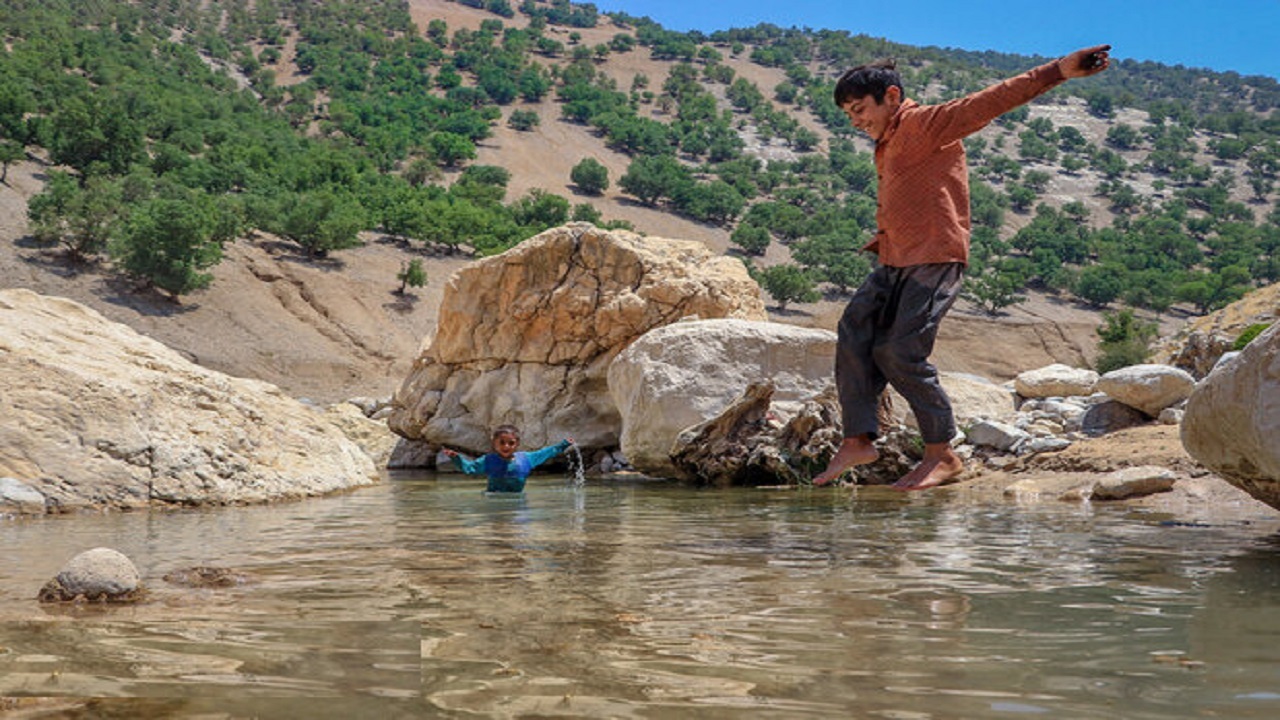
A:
(336, 329)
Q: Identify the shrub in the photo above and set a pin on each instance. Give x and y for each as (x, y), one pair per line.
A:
(1126, 341)
(1249, 334)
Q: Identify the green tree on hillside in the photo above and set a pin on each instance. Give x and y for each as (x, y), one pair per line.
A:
(81, 218)
(451, 149)
(320, 222)
(411, 274)
(996, 286)
(590, 176)
(753, 239)
(169, 244)
(787, 283)
(10, 153)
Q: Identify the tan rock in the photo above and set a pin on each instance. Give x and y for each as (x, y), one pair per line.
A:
(371, 435)
(526, 337)
(1133, 482)
(100, 574)
(1232, 420)
(97, 415)
(1056, 380)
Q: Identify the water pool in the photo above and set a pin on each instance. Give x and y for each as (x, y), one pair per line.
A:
(425, 598)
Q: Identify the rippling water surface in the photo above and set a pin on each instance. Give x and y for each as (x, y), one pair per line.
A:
(426, 598)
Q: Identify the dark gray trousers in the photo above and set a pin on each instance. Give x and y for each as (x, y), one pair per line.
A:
(886, 335)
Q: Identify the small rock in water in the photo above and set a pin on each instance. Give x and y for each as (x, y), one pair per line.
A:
(205, 576)
(97, 575)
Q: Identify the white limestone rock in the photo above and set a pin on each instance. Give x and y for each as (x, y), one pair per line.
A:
(1149, 388)
(99, 416)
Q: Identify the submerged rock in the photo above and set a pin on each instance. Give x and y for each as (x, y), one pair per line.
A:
(205, 576)
(97, 575)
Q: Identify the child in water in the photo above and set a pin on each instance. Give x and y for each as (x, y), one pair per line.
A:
(506, 468)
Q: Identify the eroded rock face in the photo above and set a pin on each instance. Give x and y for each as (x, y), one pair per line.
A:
(526, 337)
(97, 415)
(1232, 420)
(688, 372)
(749, 444)
(1199, 346)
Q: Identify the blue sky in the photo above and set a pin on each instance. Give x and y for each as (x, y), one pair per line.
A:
(1239, 35)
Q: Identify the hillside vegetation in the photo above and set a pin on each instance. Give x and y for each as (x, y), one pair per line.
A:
(170, 129)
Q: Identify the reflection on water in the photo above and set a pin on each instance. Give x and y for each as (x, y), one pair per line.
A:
(427, 598)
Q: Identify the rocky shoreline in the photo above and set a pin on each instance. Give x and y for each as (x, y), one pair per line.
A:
(628, 344)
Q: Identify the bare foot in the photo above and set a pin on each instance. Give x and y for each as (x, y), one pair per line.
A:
(853, 451)
(937, 467)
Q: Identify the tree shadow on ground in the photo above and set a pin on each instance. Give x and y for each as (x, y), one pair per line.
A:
(790, 312)
(55, 260)
(286, 251)
(147, 301)
(403, 304)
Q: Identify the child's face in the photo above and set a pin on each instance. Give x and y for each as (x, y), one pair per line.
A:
(870, 116)
(505, 445)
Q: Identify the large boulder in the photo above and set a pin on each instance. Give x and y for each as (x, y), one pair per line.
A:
(1149, 388)
(526, 337)
(686, 373)
(1232, 420)
(97, 415)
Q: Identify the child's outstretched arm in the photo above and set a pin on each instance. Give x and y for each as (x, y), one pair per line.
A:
(537, 457)
(465, 464)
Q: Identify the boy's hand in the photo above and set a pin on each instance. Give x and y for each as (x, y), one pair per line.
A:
(1085, 62)
(449, 453)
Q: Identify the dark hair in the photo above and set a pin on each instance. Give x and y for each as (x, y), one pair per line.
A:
(872, 79)
(511, 430)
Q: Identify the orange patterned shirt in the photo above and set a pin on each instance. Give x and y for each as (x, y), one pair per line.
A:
(923, 195)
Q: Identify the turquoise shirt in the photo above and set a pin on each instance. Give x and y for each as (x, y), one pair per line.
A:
(508, 476)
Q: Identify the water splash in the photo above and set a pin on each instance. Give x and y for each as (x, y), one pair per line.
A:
(579, 478)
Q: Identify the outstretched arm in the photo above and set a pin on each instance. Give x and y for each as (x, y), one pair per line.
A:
(465, 464)
(1085, 62)
(964, 116)
(537, 457)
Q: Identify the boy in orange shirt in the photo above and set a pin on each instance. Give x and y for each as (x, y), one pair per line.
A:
(887, 331)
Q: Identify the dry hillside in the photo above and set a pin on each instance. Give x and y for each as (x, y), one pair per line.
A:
(333, 329)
